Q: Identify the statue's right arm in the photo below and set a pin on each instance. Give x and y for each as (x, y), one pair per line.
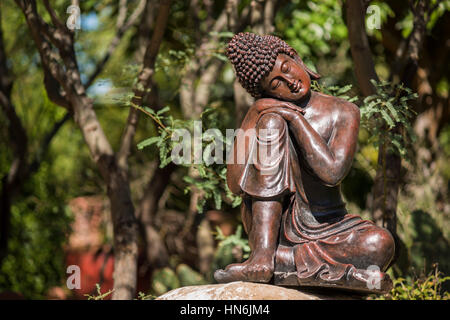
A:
(267, 103)
(239, 151)
(242, 141)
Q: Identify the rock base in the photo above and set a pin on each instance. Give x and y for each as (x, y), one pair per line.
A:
(252, 291)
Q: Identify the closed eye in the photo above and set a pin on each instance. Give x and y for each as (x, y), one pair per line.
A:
(285, 68)
(275, 84)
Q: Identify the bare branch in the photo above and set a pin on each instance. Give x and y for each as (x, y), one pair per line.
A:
(359, 44)
(122, 27)
(208, 43)
(144, 80)
(231, 8)
(407, 56)
(236, 22)
(53, 89)
(206, 80)
(57, 33)
(122, 15)
(145, 27)
(193, 100)
(269, 12)
(187, 88)
(49, 58)
(158, 33)
(256, 19)
(146, 212)
(55, 20)
(221, 22)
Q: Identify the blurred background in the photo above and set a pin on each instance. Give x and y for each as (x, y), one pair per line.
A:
(86, 116)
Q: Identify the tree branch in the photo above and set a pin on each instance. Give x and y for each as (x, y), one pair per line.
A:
(55, 20)
(203, 89)
(53, 72)
(123, 26)
(189, 96)
(269, 12)
(122, 13)
(144, 81)
(359, 45)
(256, 16)
(156, 251)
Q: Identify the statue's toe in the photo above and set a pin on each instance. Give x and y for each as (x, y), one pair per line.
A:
(221, 276)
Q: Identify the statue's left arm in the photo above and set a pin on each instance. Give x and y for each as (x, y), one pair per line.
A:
(330, 160)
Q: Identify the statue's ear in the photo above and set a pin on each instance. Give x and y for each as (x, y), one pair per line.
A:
(312, 74)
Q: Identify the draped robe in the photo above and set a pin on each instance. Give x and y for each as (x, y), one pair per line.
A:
(320, 243)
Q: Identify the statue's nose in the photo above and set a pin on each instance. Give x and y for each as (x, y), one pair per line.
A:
(290, 83)
(289, 80)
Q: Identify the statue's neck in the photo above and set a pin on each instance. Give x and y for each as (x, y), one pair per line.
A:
(305, 101)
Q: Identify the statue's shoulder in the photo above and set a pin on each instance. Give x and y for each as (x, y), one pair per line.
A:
(340, 108)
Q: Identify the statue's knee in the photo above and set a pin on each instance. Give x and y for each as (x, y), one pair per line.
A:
(270, 126)
(387, 245)
(380, 247)
(270, 121)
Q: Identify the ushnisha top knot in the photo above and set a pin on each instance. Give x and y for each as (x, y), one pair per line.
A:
(253, 57)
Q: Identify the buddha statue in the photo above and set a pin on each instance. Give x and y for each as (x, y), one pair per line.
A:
(298, 227)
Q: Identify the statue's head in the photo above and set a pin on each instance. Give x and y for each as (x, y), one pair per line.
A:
(266, 66)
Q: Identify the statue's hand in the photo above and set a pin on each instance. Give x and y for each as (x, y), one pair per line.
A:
(264, 104)
(288, 114)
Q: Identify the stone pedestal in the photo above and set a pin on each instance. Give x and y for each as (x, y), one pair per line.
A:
(252, 291)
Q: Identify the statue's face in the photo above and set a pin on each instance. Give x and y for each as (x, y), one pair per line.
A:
(287, 81)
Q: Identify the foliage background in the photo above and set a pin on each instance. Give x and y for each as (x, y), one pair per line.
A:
(41, 218)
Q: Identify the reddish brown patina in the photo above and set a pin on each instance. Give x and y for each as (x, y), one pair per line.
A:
(299, 229)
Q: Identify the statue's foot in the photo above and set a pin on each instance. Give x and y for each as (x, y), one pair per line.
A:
(253, 270)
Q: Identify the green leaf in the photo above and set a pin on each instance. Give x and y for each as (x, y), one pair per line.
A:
(147, 142)
(150, 110)
(344, 89)
(392, 110)
(387, 118)
(218, 200)
(163, 110)
(220, 56)
(224, 34)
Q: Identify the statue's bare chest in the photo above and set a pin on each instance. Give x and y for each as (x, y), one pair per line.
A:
(320, 121)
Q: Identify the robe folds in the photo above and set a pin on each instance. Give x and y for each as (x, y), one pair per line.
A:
(320, 243)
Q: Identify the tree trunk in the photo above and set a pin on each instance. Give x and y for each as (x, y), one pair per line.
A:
(55, 44)
(404, 69)
(118, 191)
(156, 251)
(385, 189)
(359, 46)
